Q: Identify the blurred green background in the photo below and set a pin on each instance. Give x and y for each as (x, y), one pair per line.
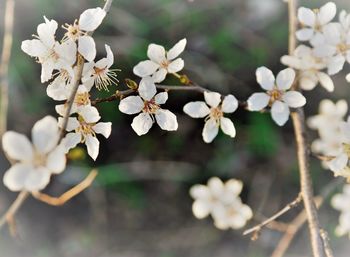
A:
(139, 205)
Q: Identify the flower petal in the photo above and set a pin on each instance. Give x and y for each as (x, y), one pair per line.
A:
(210, 131)
(200, 192)
(161, 98)
(227, 127)
(56, 160)
(90, 19)
(34, 48)
(327, 13)
(213, 99)
(46, 32)
(201, 209)
(159, 75)
(104, 128)
(166, 120)
(280, 112)
(229, 104)
(17, 146)
(285, 79)
(131, 105)
(234, 186)
(37, 179)
(15, 177)
(325, 81)
(156, 53)
(93, 146)
(45, 134)
(176, 65)
(304, 34)
(70, 141)
(258, 101)
(335, 64)
(265, 78)
(90, 114)
(177, 49)
(338, 163)
(294, 99)
(87, 48)
(196, 109)
(145, 68)
(306, 16)
(147, 88)
(142, 123)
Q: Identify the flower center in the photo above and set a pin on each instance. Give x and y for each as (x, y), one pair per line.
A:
(216, 114)
(164, 64)
(104, 77)
(275, 95)
(73, 31)
(39, 160)
(85, 129)
(150, 107)
(343, 48)
(82, 99)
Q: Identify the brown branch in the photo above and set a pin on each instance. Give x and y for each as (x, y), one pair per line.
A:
(256, 229)
(65, 197)
(4, 65)
(10, 213)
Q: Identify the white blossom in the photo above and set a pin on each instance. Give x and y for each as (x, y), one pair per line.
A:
(278, 95)
(88, 21)
(222, 202)
(341, 202)
(214, 114)
(310, 66)
(50, 54)
(100, 73)
(313, 22)
(84, 129)
(161, 62)
(148, 103)
(34, 163)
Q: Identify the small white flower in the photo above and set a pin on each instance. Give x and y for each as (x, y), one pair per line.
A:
(214, 114)
(99, 73)
(84, 129)
(34, 163)
(161, 62)
(50, 54)
(313, 21)
(341, 202)
(89, 21)
(310, 67)
(148, 103)
(222, 202)
(278, 95)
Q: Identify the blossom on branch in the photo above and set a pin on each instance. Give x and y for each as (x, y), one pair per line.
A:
(214, 114)
(278, 96)
(148, 103)
(222, 202)
(161, 62)
(34, 163)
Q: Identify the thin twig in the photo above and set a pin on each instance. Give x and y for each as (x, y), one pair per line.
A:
(10, 213)
(256, 229)
(303, 152)
(65, 197)
(327, 248)
(4, 65)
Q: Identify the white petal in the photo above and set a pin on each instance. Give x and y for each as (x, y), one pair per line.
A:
(176, 65)
(265, 78)
(90, 19)
(258, 101)
(45, 134)
(338, 163)
(87, 48)
(201, 209)
(234, 186)
(57, 90)
(156, 53)
(104, 128)
(147, 88)
(110, 56)
(166, 120)
(210, 130)
(304, 34)
(15, 177)
(280, 113)
(324, 50)
(90, 114)
(47, 68)
(177, 49)
(213, 99)
(34, 48)
(56, 160)
(294, 99)
(93, 146)
(131, 105)
(46, 32)
(17, 146)
(335, 64)
(67, 54)
(227, 127)
(229, 104)
(161, 98)
(159, 75)
(308, 83)
(325, 81)
(285, 79)
(145, 68)
(72, 123)
(196, 109)
(306, 16)
(216, 186)
(200, 192)
(37, 179)
(327, 13)
(70, 141)
(142, 123)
